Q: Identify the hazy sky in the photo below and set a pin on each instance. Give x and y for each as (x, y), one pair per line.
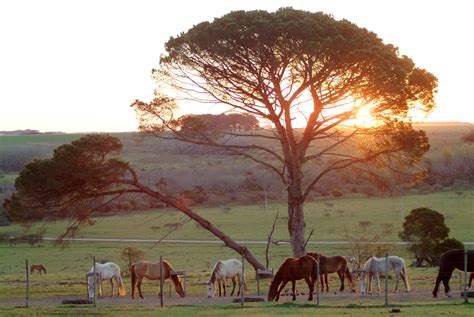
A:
(77, 65)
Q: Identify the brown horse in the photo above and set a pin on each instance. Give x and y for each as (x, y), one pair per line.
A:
(333, 264)
(37, 267)
(151, 270)
(450, 260)
(293, 269)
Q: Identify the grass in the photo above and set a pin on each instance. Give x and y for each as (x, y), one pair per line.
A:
(67, 264)
(328, 218)
(267, 309)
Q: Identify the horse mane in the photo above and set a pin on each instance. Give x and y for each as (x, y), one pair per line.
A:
(217, 268)
(278, 275)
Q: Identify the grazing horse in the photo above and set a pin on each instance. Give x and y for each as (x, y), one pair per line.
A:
(37, 267)
(293, 269)
(333, 264)
(374, 266)
(223, 270)
(450, 260)
(151, 270)
(108, 271)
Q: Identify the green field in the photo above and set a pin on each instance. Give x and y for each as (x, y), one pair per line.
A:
(286, 309)
(251, 222)
(69, 263)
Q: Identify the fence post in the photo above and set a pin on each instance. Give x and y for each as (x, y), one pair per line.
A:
(161, 281)
(386, 279)
(465, 276)
(27, 298)
(242, 280)
(95, 280)
(318, 282)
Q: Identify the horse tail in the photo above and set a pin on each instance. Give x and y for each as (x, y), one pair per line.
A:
(349, 276)
(121, 287)
(133, 278)
(245, 284)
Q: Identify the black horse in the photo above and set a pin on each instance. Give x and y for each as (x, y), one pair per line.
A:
(450, 260)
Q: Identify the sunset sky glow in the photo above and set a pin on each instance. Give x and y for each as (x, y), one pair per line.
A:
(76, 66)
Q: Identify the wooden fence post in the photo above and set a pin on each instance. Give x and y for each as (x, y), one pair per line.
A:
(465, 277)
(386, 279)
(27, 297)
(161, 281)
(242, 280)
(95, 280)
(317, 282)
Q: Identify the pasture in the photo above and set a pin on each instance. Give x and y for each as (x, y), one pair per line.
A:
(68, 264)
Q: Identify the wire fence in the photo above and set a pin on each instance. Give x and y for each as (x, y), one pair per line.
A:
(68, 280)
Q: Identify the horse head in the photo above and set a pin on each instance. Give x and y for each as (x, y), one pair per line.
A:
(272, 292)
(211, 289)
(90, 287)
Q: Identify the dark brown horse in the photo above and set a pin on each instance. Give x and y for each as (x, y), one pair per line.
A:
(333, 264)
(450, 260)
(151, 270)
(294, 269)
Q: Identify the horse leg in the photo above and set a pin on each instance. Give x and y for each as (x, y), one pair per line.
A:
(438, 280)
(223, 285)
(404, 279)
(280, 288)
(293, 288)
(311, 287)
(233, 286)
(340, 273)
(447, 289)
(239, 283)
(377, 275)
(112, 286)
(369, 288)
(321, 280)
(326, 281)
(396, 280)
(139, 286)
(470, 280)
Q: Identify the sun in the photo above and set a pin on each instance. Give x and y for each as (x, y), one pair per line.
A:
(364, 117)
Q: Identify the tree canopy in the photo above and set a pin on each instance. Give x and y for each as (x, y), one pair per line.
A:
(286, 64)
(428, 234)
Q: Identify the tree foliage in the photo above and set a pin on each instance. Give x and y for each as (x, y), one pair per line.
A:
(428, 234)
(287, 64)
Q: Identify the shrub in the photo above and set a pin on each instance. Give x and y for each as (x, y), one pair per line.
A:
(427, 233)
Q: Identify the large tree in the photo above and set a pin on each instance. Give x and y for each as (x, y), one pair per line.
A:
(287, 64)
(82, 178)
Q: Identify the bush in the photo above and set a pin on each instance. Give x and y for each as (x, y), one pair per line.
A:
(427, 233)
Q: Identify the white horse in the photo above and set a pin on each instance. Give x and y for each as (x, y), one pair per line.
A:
(108, 271)
(374, 266)
(223, 270)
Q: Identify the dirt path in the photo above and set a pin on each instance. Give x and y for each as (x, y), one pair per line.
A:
(421, 295)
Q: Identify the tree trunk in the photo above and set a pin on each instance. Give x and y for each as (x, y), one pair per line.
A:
(296, 224)
(205, 224)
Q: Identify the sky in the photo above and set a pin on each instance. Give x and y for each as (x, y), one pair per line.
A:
(76, 66)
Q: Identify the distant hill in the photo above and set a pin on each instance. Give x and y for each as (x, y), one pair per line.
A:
(27, 132)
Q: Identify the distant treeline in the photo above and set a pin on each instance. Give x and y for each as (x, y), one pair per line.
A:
(26, 132)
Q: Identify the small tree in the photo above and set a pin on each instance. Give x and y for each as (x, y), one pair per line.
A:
(427, 234)
(131, 255)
